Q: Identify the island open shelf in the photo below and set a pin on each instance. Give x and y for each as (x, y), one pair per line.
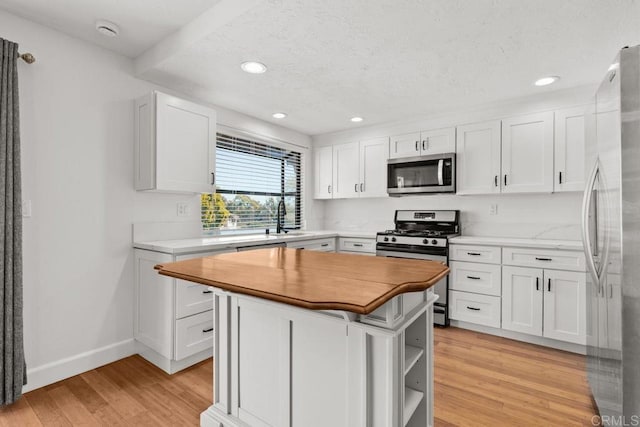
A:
(293, 349)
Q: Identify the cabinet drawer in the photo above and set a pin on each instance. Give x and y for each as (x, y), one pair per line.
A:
(204, 254)
(347, 244)
(194, 334)
(472, 253)
(474, 308)
(479, 278)
(544, 258)
(323, 245)
(192, 298)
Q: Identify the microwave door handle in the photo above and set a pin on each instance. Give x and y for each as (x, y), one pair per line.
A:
(586, 236)
(440, 170)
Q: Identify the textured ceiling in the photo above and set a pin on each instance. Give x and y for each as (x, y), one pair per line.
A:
(142, 22)
(387, 60)
(329, 60)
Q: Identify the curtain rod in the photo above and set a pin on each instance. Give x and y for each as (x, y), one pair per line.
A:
(27, 57)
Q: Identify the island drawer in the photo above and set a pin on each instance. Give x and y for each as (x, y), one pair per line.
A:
(322, 245)
(194, 334)
(474, 308)
(473, 253)
(348, 244)
(192, 298)
(544, 258)
(473, 277)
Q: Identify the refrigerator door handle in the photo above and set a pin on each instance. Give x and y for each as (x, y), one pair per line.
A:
(586, 238)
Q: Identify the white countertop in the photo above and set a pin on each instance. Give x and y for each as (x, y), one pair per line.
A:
(212, 243)
(569, 245)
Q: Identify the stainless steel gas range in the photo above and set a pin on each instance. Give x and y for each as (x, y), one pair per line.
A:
(423, 235)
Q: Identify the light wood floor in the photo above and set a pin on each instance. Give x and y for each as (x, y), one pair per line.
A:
(479, 380)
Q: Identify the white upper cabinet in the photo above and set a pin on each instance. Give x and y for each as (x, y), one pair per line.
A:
(374, 154)
(323, 172)
(423, 143)
(527, 153)
(346, 174)
(406, 145)
(174, 145)
(478, 158)
(569, 149)
(438, 141)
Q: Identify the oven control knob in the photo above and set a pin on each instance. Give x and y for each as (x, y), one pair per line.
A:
(434, 241)
(393, 239)
(425, 241)
(386, 239)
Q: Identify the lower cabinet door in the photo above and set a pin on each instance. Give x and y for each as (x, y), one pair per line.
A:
(475, 308)
(564, 306)
(194, 334)
(522, 293)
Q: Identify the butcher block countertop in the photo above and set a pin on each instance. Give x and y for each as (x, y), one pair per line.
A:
(309, 279)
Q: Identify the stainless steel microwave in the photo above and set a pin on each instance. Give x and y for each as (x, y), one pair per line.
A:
(424, 174)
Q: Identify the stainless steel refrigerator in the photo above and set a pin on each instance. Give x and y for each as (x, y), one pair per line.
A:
(611, 235)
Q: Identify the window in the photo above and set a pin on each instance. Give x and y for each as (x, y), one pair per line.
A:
(252, 178)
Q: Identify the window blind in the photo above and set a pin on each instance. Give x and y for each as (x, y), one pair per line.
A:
(252, 178)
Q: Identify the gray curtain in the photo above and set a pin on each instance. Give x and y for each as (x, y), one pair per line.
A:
(12, 365)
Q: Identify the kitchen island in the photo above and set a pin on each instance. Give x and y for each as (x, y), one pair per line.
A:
(318, 339)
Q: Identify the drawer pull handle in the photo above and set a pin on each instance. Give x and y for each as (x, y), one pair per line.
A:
(207, 292)
(473, 308)
(324, 245)
(549, 285)
(537, 283)
(544, 259)
(473, 277)
(207, 330)
(474, 253)
(357, 245)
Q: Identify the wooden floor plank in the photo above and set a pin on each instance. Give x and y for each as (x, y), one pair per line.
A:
(480, 380)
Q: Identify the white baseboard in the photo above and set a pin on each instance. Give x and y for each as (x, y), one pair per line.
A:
(61, 369)
(531, 339)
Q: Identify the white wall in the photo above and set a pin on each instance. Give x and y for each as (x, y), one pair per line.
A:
(550, 216)
(77, 156)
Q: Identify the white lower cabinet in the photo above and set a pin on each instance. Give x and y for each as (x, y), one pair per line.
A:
(173, 318)
(357, 245)
(475, 308)
(548, 303)
(321, 245)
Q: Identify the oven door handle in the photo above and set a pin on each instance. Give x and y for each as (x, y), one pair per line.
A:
(440, 172)
(412, 255)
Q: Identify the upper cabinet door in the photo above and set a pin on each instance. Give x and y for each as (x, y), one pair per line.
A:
(569, 149)
(406, 145)
(175, 145)
(373, 167)
(527, 153)
(478, 158)
(438, 141)
(346, 175)
(323, 172)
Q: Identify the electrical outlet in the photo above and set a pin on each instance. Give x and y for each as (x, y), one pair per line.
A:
(182, 209)
(494, 209)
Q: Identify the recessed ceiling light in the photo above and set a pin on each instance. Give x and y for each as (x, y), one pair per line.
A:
(279, 115)
(107, 28)
(253, 67)
(356, 119)
(545, 81)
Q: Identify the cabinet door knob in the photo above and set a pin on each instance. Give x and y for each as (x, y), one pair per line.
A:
(495, 180)
(560, 177)
(417, 148)
(505, 179)
(213, 178)
(549, 285)
(361, 187)
(425, 145)
(329, 189)
(537, 283)
(356, 188)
